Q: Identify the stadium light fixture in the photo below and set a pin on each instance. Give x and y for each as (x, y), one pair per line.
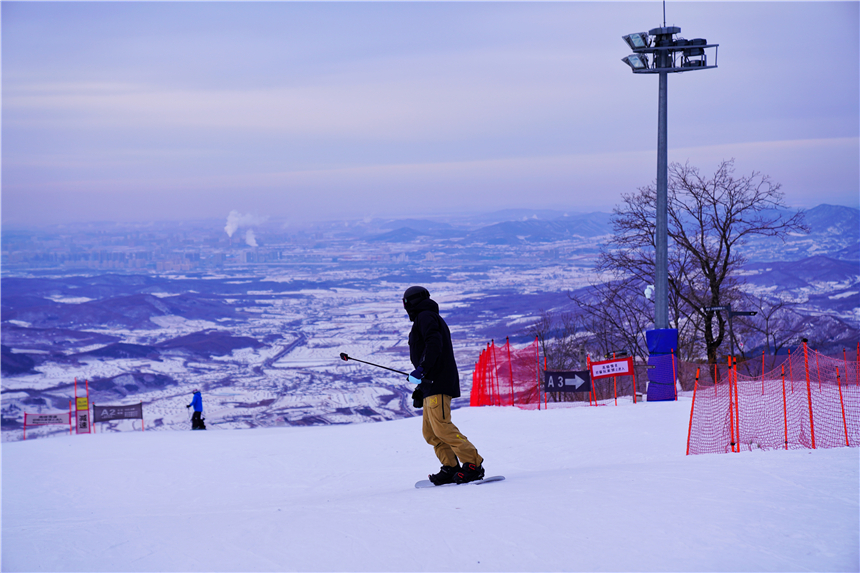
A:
(637, 40)
(636, 61)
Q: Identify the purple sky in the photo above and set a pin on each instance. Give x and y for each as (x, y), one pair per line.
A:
(139, 111)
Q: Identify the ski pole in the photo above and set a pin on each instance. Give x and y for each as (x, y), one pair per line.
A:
(344, 356)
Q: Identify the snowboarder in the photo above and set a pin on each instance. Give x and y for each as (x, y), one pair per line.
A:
(197, 416)
(432, 356)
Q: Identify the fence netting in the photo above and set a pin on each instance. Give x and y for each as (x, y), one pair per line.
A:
(505, 376)
(809, 400)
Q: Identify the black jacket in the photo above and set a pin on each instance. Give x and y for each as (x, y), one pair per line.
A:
(430, 347)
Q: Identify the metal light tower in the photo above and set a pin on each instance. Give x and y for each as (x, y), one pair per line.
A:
(661, 52)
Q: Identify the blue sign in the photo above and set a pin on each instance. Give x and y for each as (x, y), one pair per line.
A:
(576, 381)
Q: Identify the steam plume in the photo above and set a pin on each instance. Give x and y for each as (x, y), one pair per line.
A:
(236, 219)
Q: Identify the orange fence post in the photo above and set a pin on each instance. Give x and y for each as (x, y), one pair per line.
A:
(692, 407)
(842, 405)
(784, 408)
(808, 391)
(762, 372)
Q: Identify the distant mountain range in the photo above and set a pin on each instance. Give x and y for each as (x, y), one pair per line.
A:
(834, 232)
(529, 230)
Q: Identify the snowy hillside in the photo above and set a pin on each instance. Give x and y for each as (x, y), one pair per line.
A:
(588, 488)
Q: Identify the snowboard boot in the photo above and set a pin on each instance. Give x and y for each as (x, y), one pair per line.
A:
(469, 472)
(446, 475)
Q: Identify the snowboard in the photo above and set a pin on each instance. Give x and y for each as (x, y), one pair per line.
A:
(427, 483)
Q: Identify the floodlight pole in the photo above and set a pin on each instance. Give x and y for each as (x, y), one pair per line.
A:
(661, 238)
(668, 55)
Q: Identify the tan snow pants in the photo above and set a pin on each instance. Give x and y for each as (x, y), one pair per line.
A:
(447, 441)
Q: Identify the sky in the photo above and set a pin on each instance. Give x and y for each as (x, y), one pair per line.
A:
(308, 111)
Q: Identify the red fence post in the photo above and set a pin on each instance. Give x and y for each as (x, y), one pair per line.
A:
(510, 368)
(808, 392)
(592, 394)
(737, 405)
(731, 407)
(842, 405)
(537, 370)
(615, 385)
(716, 378)
(784, 408)
(692, 407)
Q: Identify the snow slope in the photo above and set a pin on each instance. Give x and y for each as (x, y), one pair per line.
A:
(587, 489)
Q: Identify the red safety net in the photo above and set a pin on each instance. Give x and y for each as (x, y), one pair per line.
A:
(808, 401)
(505, 376)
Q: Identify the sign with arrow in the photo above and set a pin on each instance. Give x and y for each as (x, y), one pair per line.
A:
(574, 381)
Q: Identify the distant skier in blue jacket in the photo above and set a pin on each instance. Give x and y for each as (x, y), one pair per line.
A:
(197, 416)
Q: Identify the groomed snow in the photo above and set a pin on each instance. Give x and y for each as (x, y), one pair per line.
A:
(588, 489)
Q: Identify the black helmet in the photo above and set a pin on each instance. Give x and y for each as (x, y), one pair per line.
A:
(414, 295)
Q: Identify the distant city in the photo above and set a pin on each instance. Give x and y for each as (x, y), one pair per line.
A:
(256, 313)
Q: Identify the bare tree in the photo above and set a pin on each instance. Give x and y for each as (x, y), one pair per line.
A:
(614, 316)
(562, 343)
(776, 322)
(710, 219)
(558, 340)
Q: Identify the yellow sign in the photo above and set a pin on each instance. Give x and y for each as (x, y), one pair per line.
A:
(83, 404)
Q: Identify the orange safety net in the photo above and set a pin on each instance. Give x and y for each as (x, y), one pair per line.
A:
(808, 401)
(505, 376)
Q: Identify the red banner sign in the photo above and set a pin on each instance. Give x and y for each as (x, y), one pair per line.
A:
(614, 367)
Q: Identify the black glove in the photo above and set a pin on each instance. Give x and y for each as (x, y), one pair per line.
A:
(416, 375)
(418, 398)
(188, 406)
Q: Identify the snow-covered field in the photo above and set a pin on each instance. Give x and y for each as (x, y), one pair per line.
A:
(588, 489)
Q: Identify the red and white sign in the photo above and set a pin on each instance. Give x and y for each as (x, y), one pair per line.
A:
(614, 367)
(82, 417)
